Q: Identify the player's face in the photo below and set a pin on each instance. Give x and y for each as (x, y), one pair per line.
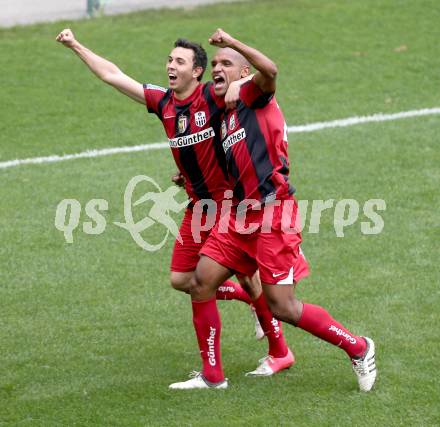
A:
(180, 69)
(227, 66)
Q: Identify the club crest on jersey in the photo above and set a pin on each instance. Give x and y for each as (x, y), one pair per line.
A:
(232, 122)
(182, 123)
(200, 118)
(224, 130)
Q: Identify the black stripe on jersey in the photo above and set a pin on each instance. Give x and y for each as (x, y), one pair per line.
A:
(238, 186)
(285, 169)
(285, 172)
(258, 153)
(262, 101)
(215, 114)
(162, 103)
(188, 157)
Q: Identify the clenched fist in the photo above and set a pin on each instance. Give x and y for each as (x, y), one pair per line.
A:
(66, 37)
(178, 179)
(221, 39)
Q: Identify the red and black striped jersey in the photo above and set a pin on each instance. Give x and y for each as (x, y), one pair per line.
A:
(192, 126)
(254, 139)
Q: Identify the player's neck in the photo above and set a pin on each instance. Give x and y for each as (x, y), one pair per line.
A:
(185, 93)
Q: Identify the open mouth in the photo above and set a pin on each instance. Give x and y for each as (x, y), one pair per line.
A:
(172, 77)
(219, 82)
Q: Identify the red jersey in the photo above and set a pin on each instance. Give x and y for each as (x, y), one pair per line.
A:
(254, 139)
(192, 126)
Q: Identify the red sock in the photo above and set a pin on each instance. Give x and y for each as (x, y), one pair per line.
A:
(207, 324)
(230, 290)
(271, 327)
(317, 321)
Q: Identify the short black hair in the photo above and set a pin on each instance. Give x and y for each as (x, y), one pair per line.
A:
(200, 56)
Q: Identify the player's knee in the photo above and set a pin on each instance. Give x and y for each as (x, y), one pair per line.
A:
(180, 282)
(198, 286)
(200, 279)
(203, 283)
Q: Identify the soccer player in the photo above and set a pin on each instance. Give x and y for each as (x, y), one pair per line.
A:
(190, 112)
(254, 139)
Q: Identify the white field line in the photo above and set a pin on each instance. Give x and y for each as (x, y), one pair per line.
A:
(379, 117)
(83, 155)
(311, 127)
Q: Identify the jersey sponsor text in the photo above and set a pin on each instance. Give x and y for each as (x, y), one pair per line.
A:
(339, 332)
(233, 139)
(194, 138)
(211, 351)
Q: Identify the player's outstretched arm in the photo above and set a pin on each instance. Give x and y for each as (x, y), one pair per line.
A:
(105, 70)
(265, 77)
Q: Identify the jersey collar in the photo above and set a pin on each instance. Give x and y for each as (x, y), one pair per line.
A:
(190, 98)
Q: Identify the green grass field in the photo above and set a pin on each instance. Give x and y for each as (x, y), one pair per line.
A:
(92, 334)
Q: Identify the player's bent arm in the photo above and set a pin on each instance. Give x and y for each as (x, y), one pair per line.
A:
(266, 74)
(110, 73)
(265, 77)
(233, 93)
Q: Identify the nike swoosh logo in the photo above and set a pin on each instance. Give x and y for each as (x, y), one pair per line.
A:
(277, 274)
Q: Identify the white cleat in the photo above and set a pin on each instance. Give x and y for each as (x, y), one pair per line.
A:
(259, 333)
(365, 368)
(197, 381)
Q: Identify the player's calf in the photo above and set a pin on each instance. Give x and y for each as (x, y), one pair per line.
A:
(282, 303)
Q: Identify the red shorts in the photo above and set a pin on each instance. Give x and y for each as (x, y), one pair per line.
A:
(274, 250)
(186, 254)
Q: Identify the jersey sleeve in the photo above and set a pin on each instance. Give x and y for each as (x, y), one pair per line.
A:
(153, 95)
(252, 96)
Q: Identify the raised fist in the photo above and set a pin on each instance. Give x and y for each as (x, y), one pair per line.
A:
(178, 179)
(221, 39)
(66, 37)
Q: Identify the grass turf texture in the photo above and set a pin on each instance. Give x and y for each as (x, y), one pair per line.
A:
(92, 334)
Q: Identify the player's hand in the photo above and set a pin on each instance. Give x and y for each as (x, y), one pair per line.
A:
(66, 37)
(232, 95)
(178, 179)
(221, 39)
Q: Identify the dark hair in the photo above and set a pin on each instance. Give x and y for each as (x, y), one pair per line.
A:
(200, 56)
